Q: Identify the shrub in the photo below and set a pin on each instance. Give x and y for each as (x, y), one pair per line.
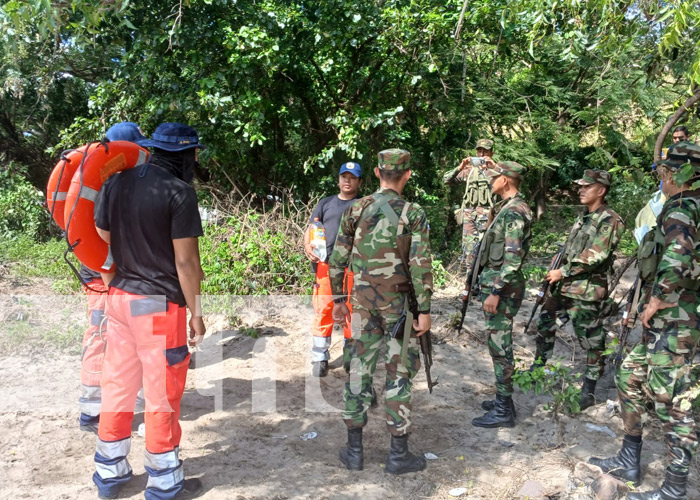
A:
(21, 206)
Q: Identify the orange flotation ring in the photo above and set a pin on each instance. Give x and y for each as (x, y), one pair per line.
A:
(59, 182)
(102, 160)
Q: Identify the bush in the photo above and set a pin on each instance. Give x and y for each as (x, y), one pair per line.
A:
(21, 206)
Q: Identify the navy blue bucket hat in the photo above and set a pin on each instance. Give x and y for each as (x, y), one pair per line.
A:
(173, 137)
(125, 131)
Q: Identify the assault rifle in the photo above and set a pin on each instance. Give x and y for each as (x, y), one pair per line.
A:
(629, 316)
(556, 262)
(470, 287)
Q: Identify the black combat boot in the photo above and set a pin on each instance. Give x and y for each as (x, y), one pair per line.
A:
(351, 455)
(502, 414)
(400, 460)
(587, 393)
(673, 488)
(625, 465)
(374, 403)
(320, 368)
(491, 404)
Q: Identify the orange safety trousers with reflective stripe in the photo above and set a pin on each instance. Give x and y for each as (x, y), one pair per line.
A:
(147, 345)
(95, 335)
(322, 301)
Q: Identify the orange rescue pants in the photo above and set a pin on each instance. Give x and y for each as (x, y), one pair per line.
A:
(322, 301)
(93, 353)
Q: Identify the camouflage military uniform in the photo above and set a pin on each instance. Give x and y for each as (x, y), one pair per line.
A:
(505, 246)
(661, 366)
(476, 204)
(584, 287)
(366, 244)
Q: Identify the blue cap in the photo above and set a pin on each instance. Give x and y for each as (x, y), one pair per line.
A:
(125, 131)
(173, 137)
(352, 167)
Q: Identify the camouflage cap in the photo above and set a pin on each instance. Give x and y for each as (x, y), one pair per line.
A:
(595, 176)
(485, 143)
(681, 153)
(508, 168)
(394, 159)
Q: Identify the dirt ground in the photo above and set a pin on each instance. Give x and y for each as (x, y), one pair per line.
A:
(250, 400)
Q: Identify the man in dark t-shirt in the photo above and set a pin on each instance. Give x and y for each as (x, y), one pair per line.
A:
(328, 212)
(150, 218)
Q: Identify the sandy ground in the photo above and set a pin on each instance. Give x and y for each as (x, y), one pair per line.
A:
(250, 400)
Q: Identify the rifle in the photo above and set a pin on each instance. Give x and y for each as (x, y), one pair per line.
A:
(426, 343)
(544, 287)
(629, 316)
(470, 287)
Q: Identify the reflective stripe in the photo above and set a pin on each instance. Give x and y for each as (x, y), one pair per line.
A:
(319, 351)
(166, 481)
(90, 407)
(120, 469)
(88, 193)
(142, 158)
(109, 260)
(90, 391)
(161, 461)
(61, 196)
(114, 449)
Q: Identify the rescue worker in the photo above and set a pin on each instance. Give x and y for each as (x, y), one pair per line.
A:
(477, 199)
(149, 216)
(328, 212)
(660, 365)
(94, 337)
(367, 245)
(505, 246)
(583, 281)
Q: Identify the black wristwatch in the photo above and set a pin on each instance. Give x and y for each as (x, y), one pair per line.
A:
(496, 292)
(341, 300)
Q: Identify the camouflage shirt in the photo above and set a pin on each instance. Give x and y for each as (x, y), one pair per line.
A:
(505, 246)
(589, 254)
(366, 244)
(477, 192)
(679, 226)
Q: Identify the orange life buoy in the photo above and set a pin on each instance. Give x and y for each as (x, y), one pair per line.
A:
(59, 182)
(102, 161)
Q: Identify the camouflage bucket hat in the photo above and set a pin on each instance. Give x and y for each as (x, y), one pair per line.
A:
(394, 159)
(510, 169)
(681, 153)
(485, 143)
(595, 176)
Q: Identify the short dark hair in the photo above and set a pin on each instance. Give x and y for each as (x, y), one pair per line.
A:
(683, 129)
(391, 175)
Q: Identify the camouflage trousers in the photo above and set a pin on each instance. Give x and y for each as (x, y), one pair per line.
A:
(474, 222)
(588, 326)
(362, 354)
(500, 331)
(660, 370)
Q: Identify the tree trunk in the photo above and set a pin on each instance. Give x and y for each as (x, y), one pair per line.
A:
(689, 103)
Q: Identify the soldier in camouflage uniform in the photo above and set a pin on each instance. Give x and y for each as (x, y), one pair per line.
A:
(477, 199)
(367, 246)
(583, 281)
(660, 366)
(501, 256)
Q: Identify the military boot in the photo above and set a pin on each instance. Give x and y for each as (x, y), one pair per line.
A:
(625, 465)
(502, 414)
(587, 393)
(673, 488)
(320, 368)
(400, 460)
(374, 403)
(490, 404)
(351, 455)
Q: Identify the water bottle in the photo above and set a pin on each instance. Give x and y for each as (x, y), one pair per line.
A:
(318, 240)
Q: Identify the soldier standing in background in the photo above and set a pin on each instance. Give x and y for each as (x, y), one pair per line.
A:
(501, 256)
(477, 199)
(367, 246)
(584, 274)
(660, 365)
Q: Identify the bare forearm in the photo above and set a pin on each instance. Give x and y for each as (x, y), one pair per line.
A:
(190, 276)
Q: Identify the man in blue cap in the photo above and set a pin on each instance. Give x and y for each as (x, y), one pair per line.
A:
(94, 337)
(149, 216)
(327, 213)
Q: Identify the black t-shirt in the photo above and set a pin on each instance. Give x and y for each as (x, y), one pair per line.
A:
(143, 215)
(88, 274)
(329, 211)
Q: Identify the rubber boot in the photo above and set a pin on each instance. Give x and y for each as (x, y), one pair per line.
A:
(400, 460)
(587, 393)
(673, 488)
(351, 455)
(491, 404)
(501, 415)
(624, 465)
